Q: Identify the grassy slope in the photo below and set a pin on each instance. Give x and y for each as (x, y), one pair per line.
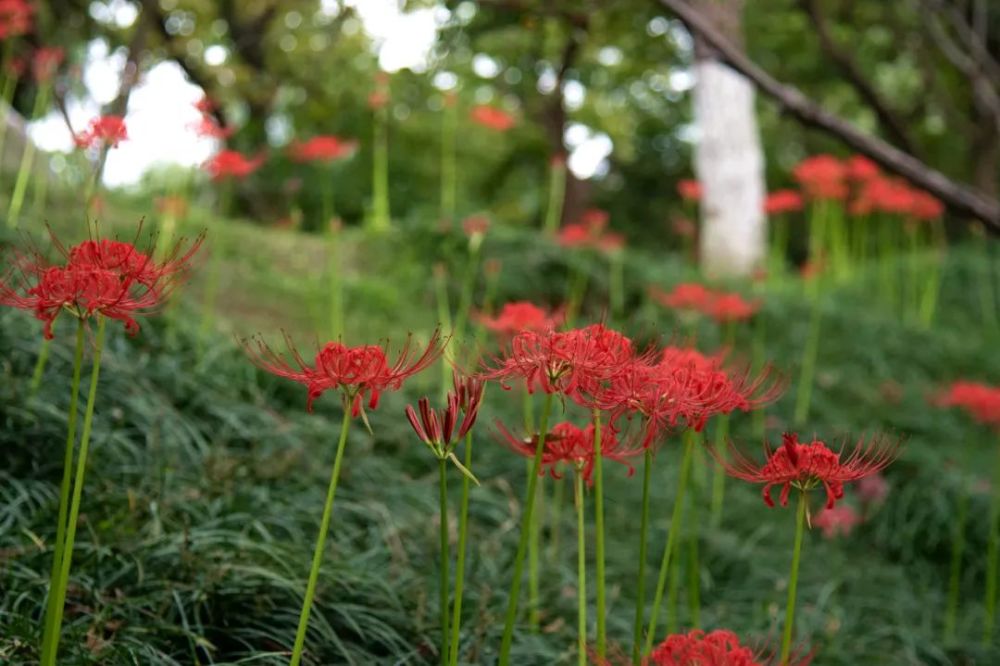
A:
(206, 480)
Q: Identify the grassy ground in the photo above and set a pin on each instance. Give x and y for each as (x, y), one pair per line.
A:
(206, 478)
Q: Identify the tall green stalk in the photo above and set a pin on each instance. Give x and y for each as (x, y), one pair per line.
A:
(932, 278)
(52, 649)
(443, 498)
(581, 570)
(719, 477)
(694, 568)
(616, 285)
(336, 287)
(803, 396)
(993, 554)
(324, 526)
(793, 581)
(577, 290)
(380, 171)
(463, 531)
(27, 160)
(449, 167)
(534, 551)
(557, 193)
(675, 521)
(640, 583)
(6, 91)
(64, 491)
(955, 577)
(602, 638)
(39, 372)
(444, 320)
(522, 545)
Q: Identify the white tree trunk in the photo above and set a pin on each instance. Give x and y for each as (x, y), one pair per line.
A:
(730, 166)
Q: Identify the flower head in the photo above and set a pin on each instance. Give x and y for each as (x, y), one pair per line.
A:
(859, 168)
(359, 373)
(100, 277)
(103, 131)
(723, 307)
(782, 201)
(440, 431)
(716, 648)
(837, 521)
(323, 148)
(574, 446)
(822, 177)
(690, 190)
(492, 117)
(732, 307)
(980, 401)
(15, 18)
(807, 466)
(520, 316)
(232, 164)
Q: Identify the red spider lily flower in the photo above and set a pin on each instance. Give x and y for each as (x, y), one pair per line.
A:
(782, 201)
(438, 429)
(476, 225)
(859, 168)
(573, 363)
(574, 235)
(567, 443)
(924, 206)
(611, 242)
(980, 401)
(15, 18)
(359, 373)
(45, 62)
(716, 648)
(521, 316)
(806, 466)
(690, 190)
(491, 117)
(822, 177)
(323, 148)
(379, 97)
(232, 164)
(883, 195)
(838, 521)
(686, 296)
(873, 489)
(103, 131)
(725, 308)
(595, 219)
(105, 277)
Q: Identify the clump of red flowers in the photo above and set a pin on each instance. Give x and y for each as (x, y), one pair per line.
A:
(690, 190)
(99, 277)
(782, 201)
(520, 316)
(207, 125)
(103, 131)
(591, 231)
(15, 18)
(696, 648)
(808, 466)
(492, 117)
(980, 401)
(232, 164)
(724, 307)
(822, 177)
(574, 446)
(322, 148)
(360, 373)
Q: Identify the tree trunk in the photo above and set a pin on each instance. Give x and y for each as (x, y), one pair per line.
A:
(729, 162)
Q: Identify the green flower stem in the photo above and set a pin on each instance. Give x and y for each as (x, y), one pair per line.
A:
(324, 526)
(555, 517)
(380, 172)
(336, 288)
(955, 579)
(64, 490)
(444, 319)
(694, 568)
(465, 296)
(793, 581)
(534, 546)
(557, 192)
(463, 531)
(640, 583)
(719, 478)
(673, 590)
(6, 91)
(675, 522)
(492, 282)
(581, 570)
(616, 285)
(522, 546)
(803, 396)
(449, 170)
(66, 559)
(443, 498)
(759, 415)
(993, 554)
(932, 280)
(27, 161)
(602, 638)
(577, 290)
(39, 371)
(779, 247)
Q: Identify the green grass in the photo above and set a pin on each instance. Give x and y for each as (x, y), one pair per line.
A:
(206, 478)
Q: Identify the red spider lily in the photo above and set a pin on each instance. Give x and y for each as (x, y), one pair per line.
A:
(103, 131)
(690, 190)
(521, 316)
(108, 278)
(595, 219)
(15, 18)
(323, 148)
(686, 296)
(476, 225)
(859, 168)
(806, 466)
(207, 125)
(232, 164)
(45, 62)
(716, 648)
(438, 430)
(782, 201)
(980, 401)
(873, 489)
(573, 363)
(379, 97)
(924, 206)
(611, 242)
(822, 177)
(574, 235)
(567, 443)
(726, 308)
(359, 373)
(491, 117)
(838, 521)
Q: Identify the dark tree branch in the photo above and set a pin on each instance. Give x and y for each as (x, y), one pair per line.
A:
(886, 117)
(961, 198)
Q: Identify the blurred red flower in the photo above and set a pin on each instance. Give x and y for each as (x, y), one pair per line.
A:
(822, 177)
(15, 18)
(980, 401)
(322, 148)
(232, 164)
(690, 190)
(492, 117)
(860, 168)
(521, 316)
(45, 62)
(838, 521)
(103, 131)
(782, 201)
(716, 648)
(574, 446)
